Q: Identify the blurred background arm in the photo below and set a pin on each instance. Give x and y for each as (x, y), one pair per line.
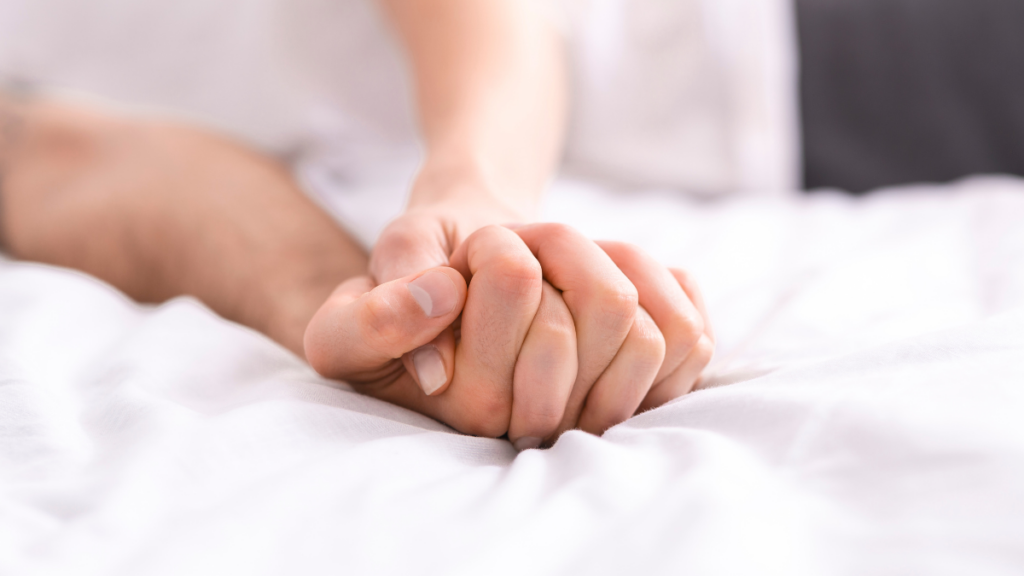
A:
(490, 87)
(160, 209)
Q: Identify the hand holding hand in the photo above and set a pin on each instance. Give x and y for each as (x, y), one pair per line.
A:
(385, 339)
(640, 332)
(557, 332)
(532, 330)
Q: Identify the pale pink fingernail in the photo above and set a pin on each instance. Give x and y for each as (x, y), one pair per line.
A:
(527, 443)
(435, 293)
(429, 368)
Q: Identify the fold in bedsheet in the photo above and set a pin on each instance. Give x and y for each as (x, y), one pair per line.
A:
(873, 427)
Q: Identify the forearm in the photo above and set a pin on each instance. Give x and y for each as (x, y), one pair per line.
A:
(160, 210)
(490, 88)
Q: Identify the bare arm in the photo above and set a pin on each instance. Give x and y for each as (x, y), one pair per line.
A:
(557, 332)
(490, 90)
(490, 84)
(161, 210)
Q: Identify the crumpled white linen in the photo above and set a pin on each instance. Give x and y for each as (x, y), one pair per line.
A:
(863, 416)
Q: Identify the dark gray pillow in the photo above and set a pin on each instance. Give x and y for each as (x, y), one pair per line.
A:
(897, 91)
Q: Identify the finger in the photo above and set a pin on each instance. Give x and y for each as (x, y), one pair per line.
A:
(408, 246)
(359, 330)
(432, 365)
(622, 387)
(663, 296)
(689, 285)
(544, 373)
(505, 287)
(683, 380)
(603, 302)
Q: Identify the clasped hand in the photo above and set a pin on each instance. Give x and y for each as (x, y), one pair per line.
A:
(527, 331)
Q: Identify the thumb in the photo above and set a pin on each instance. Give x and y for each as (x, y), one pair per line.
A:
(361, 331)
(410, 244)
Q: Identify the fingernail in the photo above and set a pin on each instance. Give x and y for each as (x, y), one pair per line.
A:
(429, 369)
(527, 443)
(435, 293)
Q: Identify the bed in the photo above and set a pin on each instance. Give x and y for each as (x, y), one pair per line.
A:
(864, 413)
(863, 416)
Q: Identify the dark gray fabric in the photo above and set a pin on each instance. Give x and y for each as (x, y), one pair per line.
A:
(897, 91)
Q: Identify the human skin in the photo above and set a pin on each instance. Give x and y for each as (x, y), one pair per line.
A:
(590, 332)
(554, 331)
(160, 209)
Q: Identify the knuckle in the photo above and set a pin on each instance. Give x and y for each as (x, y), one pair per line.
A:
(693, 328)
(509, 261)
(493, 233)
(623, 251)
(489, 417)
(407, 241)
(558, 326)
(686, 328)
(518, 273)
(492, 230)
(681, 275)
(619, 299)
(398, 239)
(631, 251)
(542, 421)
(685, 280)
(650, 339)
(704, 351)
(560, 233)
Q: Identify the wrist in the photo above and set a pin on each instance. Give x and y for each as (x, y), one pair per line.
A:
(466, 180)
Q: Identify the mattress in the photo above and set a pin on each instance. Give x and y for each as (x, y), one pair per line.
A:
(864, 415)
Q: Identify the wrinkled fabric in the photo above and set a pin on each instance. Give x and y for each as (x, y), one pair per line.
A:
(862, 416)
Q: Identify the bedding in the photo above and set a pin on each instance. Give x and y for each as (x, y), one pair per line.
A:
(864, 415)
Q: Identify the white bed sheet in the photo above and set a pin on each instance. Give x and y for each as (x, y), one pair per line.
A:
(864, 415)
